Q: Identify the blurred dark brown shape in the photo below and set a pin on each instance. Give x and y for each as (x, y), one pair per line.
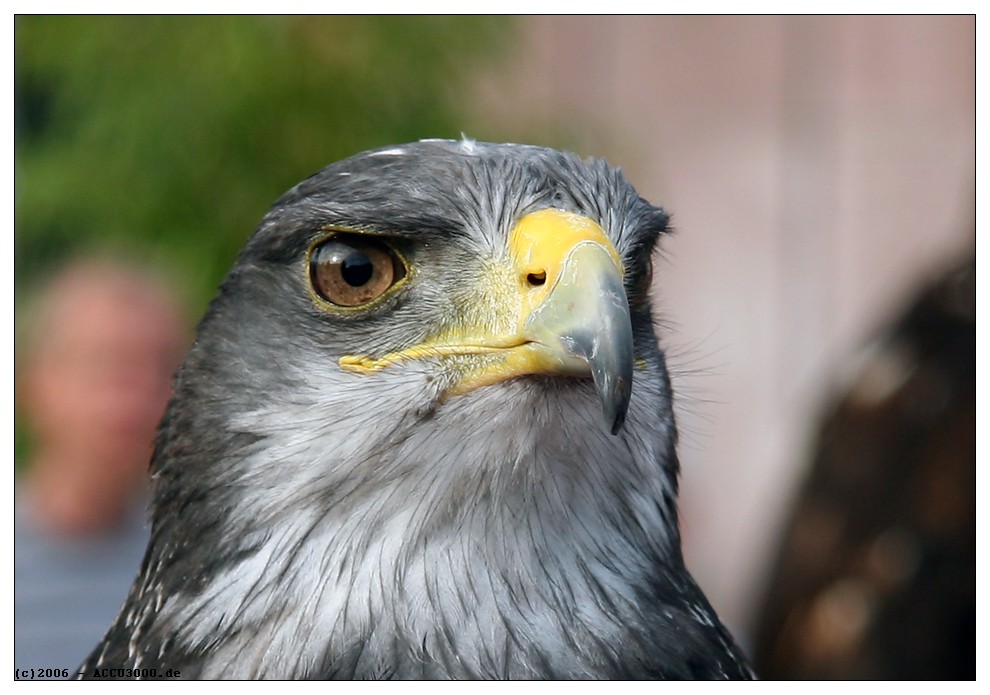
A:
(876, 574)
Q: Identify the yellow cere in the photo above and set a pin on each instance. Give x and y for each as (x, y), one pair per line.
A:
(543, 240)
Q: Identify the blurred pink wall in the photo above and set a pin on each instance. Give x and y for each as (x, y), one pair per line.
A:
(818, 170)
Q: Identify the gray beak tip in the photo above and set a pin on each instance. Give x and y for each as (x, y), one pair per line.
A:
(615, 404)
(620, 420)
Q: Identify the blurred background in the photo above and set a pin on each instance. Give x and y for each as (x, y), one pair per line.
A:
(820, 172)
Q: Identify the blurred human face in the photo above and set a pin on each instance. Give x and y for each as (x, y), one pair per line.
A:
(102, 381)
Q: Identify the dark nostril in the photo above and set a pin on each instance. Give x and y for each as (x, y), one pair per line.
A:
(537, 279)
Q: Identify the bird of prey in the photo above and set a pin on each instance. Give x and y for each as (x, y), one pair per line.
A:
(426, 431)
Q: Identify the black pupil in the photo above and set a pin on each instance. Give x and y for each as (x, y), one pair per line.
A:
(356, 269)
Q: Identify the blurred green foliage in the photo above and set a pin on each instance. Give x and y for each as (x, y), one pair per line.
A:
(169, 137)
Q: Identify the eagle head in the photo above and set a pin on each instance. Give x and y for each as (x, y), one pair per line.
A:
(426, 431)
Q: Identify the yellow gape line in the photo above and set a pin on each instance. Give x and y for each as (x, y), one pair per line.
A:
(370, 365)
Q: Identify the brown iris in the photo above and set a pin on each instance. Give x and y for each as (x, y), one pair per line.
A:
(350, 270)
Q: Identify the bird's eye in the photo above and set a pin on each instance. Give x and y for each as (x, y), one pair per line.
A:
(350, 270)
